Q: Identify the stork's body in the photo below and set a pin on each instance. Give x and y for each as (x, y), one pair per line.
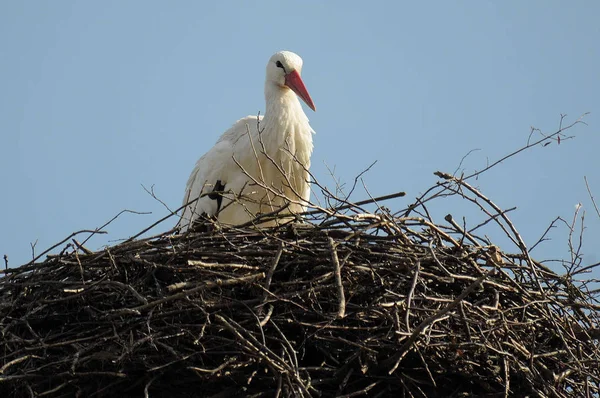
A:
(260, 164)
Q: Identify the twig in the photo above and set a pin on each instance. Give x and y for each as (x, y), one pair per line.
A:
(205, 285)
(463, 159)
(81, 247)
(338, 279)
(33, 249)
(359, 203)
(99, 230)
(151, 193)
(543, 237)
(272, 271)
(83, 231)
(529, 145)
(411, 292)
(591, 196)
(415, 334)
(521, 243)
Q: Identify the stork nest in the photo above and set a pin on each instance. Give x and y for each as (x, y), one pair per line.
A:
(358, 304)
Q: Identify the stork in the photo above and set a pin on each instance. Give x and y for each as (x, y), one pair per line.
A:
(260, 165)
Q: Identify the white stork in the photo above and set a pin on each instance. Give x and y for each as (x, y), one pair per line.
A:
(260, 165)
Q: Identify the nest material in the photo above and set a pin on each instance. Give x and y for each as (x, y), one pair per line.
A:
(359, 305)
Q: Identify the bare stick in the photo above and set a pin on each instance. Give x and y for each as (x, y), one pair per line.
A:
(83, 231)
(591, 196)
(516, 234)
(463, 159)
(561, 129)
(97, 230)
(272, 271)
(202, 286)
(411, 292)
(415, 334)
(338, 279)
(151, 193)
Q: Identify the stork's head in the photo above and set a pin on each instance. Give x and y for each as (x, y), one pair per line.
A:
(284, 69)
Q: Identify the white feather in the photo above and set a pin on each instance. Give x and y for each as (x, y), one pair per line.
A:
(277, 157)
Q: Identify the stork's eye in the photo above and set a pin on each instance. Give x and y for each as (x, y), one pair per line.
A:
(279, 65)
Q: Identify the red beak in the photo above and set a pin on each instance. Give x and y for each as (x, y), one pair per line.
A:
(293, 81)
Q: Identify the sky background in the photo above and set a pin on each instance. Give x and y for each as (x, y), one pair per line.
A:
(98, 98)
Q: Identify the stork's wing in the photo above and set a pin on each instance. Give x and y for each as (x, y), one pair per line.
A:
(217, 165)
(209, 169)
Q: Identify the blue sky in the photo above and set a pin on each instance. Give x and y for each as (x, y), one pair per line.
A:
(98, 98)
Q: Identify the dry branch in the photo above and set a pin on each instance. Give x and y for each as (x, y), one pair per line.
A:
(249, 312)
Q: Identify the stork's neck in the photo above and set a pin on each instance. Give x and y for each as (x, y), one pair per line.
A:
(285, 128)
(282, 108)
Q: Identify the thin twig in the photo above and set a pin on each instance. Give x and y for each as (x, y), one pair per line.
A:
(337, 270)
(587, 186)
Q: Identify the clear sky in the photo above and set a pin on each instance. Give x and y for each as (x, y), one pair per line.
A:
(98, 98)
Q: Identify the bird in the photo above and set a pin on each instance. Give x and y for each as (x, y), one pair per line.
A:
(261, 164)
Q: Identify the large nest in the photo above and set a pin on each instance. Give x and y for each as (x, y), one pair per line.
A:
(353, 303)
